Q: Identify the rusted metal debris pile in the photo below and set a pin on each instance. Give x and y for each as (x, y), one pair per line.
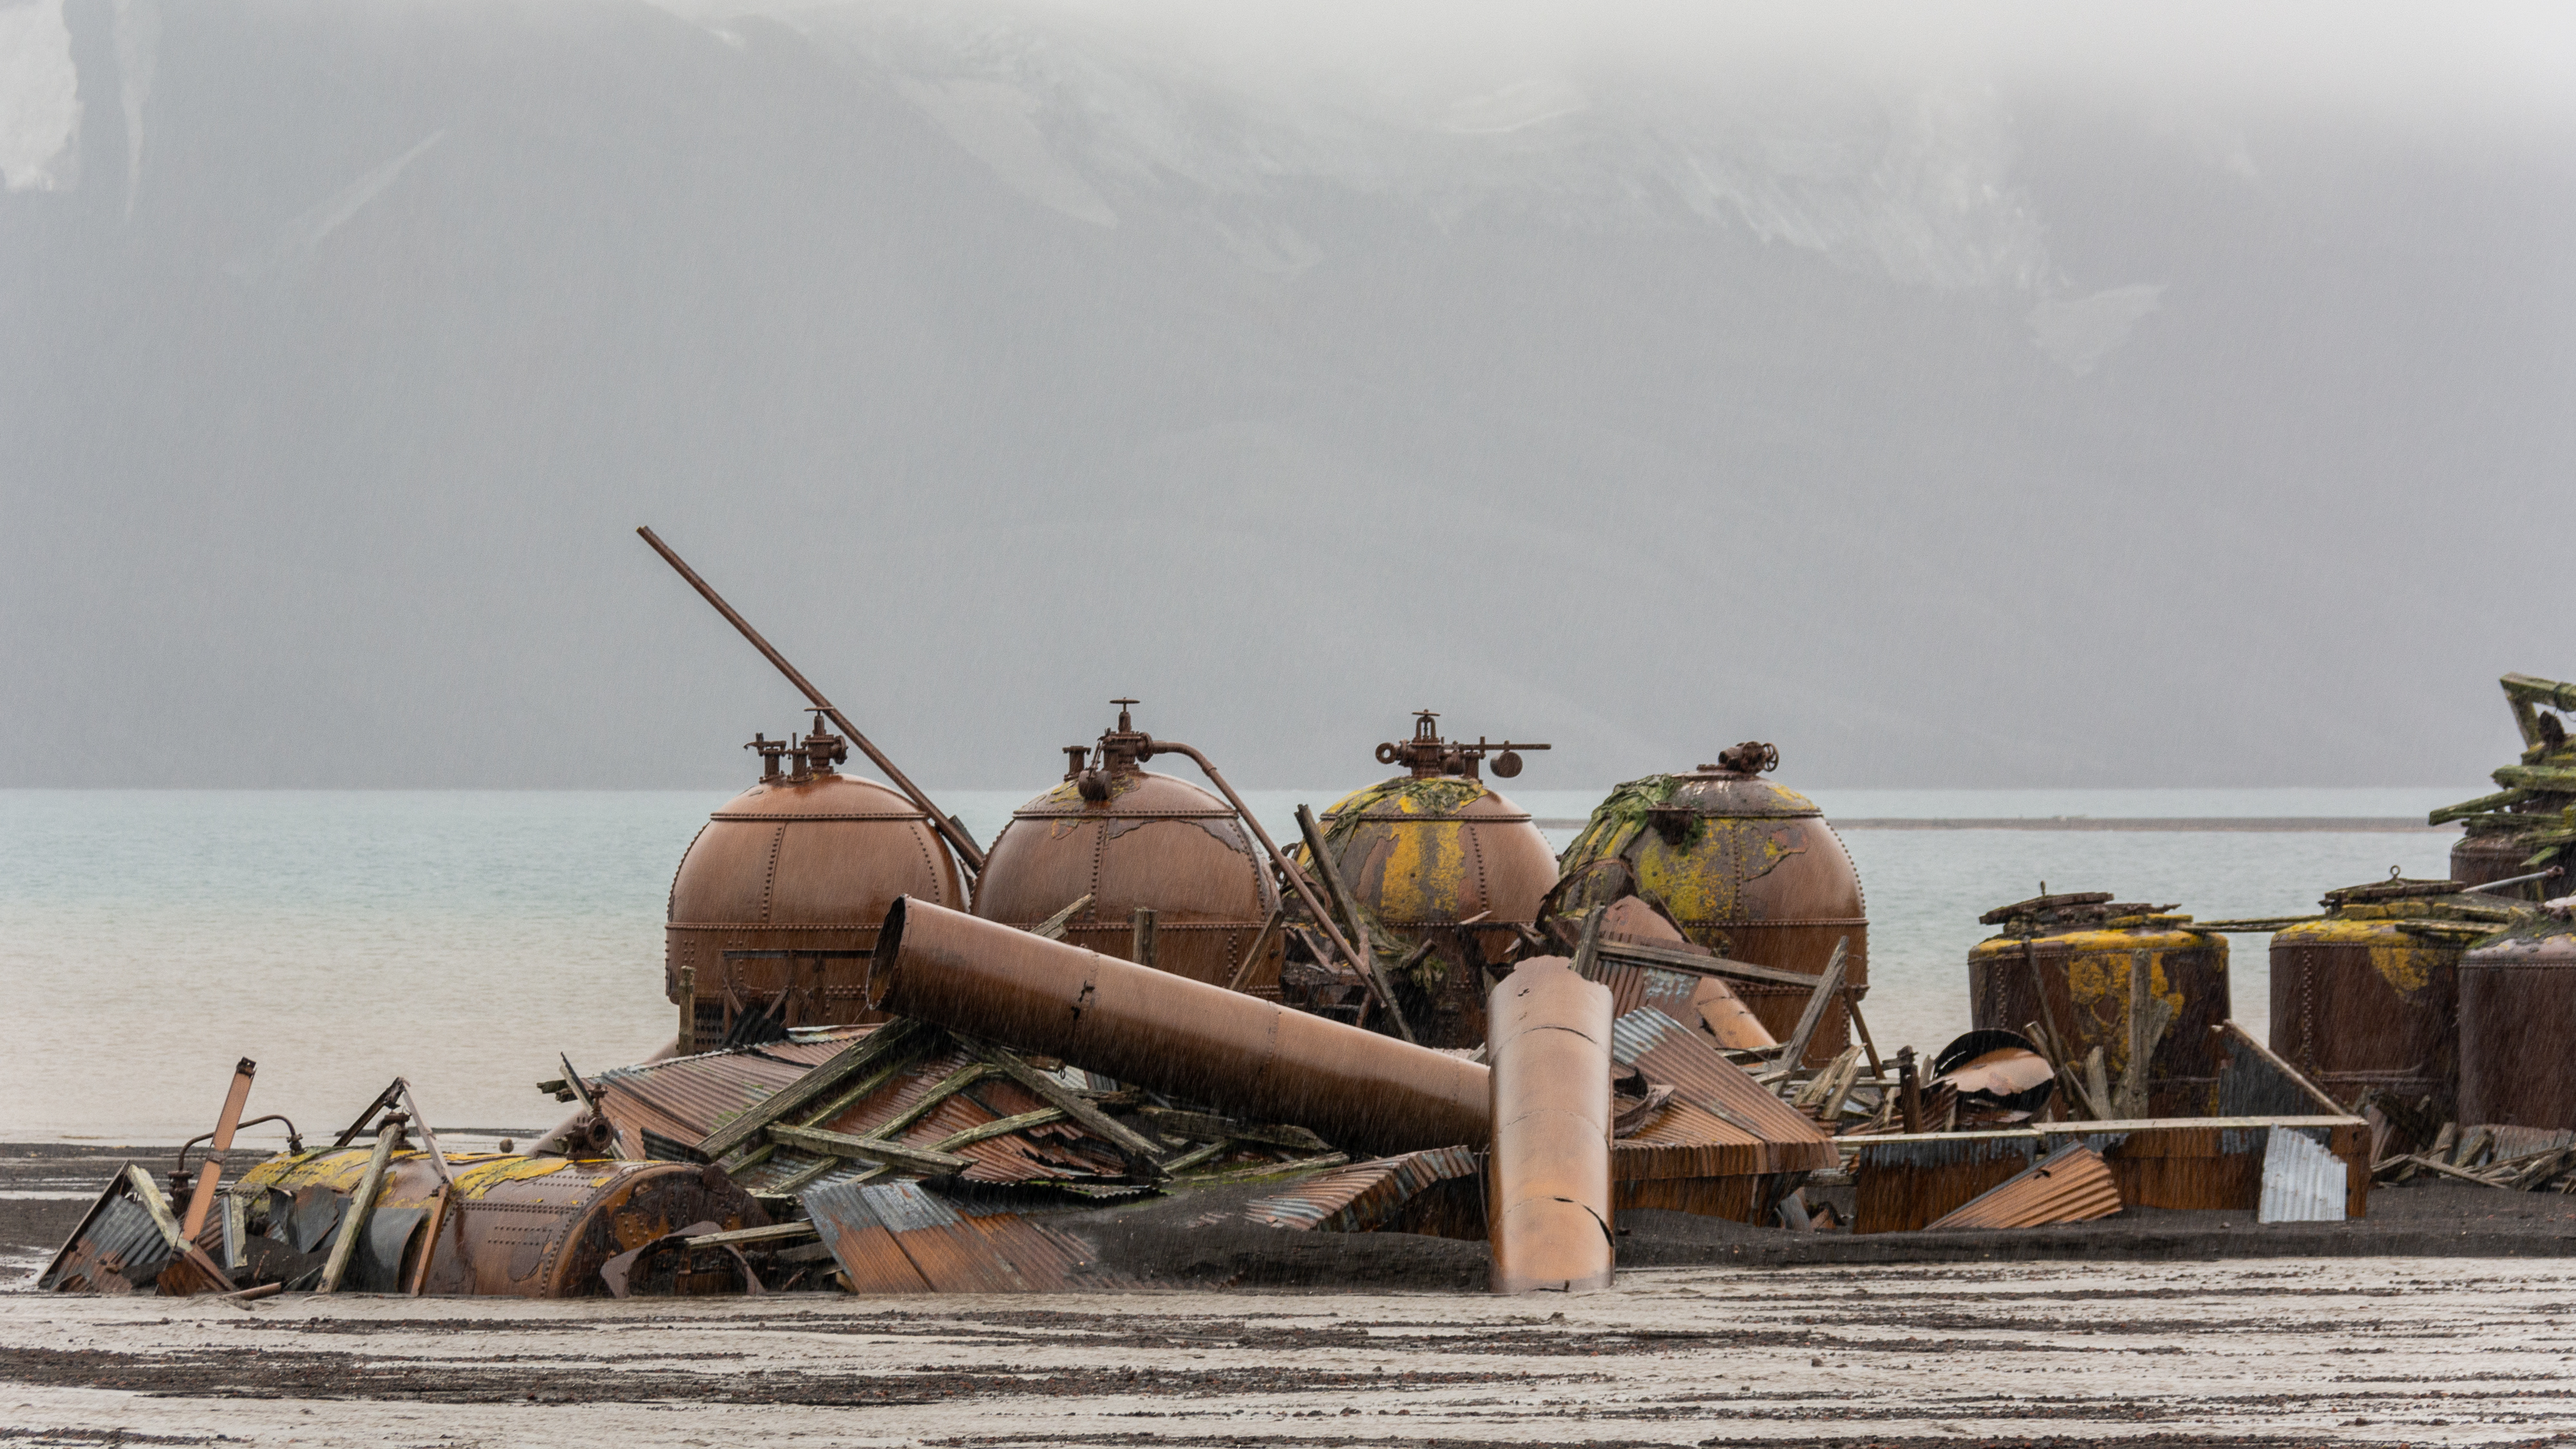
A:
(904, 1063)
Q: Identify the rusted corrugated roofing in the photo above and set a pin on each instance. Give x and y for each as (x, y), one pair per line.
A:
(121, 1245)
(2070, 1185)
(1633, 986)
(1668, 1052)
(685, 1098)
(1364, 1196)
(897, 1238)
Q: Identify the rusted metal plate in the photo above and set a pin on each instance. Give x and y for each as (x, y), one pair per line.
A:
(898, 1238)
(2071, 1185)
(1551, 1216)
(1766, 1134)
(801, 862)
(514, 1226)
(1744, 866)
(2517, 1021)
(1359, 1090)
(1900, 1184)
(2075, 982)
(1368, 1197)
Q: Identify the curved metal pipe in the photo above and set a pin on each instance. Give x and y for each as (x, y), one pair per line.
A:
(1359, 1090)
(1288, 870)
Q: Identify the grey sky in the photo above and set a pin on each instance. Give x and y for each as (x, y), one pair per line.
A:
(1989, 395)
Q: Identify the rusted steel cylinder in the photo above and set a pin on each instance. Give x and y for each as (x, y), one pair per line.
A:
(2069, 971)
(2517, 1015)
(2360, 1003)
(1551, 1108)
(1361, 1091)
(523, 1227)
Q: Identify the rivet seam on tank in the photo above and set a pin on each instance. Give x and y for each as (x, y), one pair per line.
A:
(671, 897)
(769, 877)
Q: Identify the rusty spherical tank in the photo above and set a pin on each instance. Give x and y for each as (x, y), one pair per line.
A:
(2369, 996)
(1128, 837)
(525, 1227)
(2517, 1017)
(775, 906)
(1745, 866)
(2063, 961)
(1429, 849)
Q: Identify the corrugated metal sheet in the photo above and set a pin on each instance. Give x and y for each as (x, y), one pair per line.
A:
(2071, 1185)
(898, 1238)
(1900, 1184)
(1364, 1197)
(1668, 1052)
(686, 1098)
(121, 1245)
(1633, 986)
(2510, 1141)
(2302, 1181)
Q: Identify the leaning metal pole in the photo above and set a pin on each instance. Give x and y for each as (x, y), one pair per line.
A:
(1361, 1091)
(949, 830)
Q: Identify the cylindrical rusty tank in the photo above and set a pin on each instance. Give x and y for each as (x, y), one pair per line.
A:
(2369, 996)
(2495, 848)
(775, 906)
(1745, 866)
(524, 1227)
(2517, 1016)
(1431, 848)
(1550, 1224)
(1128, 837)
(2063, 961)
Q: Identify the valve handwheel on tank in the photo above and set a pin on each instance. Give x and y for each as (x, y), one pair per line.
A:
(1446, 871)
(775, 906)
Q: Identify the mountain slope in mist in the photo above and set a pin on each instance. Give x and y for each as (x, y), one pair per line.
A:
(1963, 424)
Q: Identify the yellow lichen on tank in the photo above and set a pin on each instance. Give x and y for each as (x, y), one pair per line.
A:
(1705, 880)
(2097, 981)
(474, 1182)
(1426, 872)
(2405, 963)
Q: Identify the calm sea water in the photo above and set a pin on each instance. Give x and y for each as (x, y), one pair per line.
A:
(465, 939)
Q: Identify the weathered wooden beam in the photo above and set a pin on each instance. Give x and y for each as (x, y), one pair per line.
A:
(857, 1057)
(1828, 986)
(999, 1127)
(869, 1149)
(1056, 1094)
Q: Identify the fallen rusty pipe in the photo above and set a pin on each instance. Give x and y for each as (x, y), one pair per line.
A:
(1549, 1038)
(1361, 1091)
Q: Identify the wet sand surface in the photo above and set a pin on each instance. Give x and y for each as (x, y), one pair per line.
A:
(2449, 1316)
(2413, 1351)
